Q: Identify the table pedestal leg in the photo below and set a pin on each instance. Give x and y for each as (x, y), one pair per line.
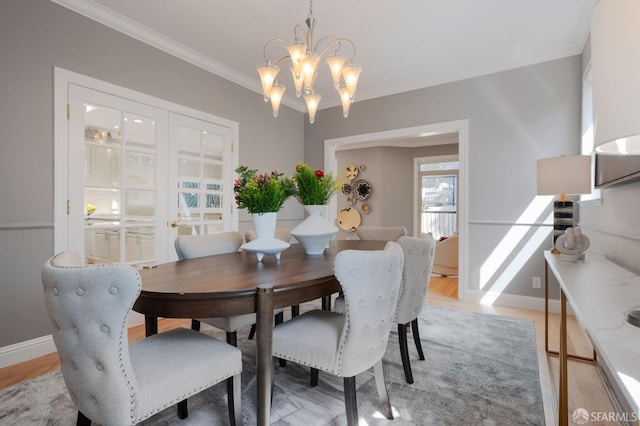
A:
(264, 367)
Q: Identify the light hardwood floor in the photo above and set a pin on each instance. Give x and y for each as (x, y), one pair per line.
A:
(586, 389)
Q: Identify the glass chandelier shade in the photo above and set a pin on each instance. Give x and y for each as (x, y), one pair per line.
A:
(305, 59)
(276, 93)
(312, 99)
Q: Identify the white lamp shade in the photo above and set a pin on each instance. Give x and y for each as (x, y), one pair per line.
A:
(615, 60)
(567, 174)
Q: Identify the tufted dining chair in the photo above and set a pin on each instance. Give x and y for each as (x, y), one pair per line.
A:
(381, 233)
(346, 345)
(114, 383)
(419, 253)
(192, 246)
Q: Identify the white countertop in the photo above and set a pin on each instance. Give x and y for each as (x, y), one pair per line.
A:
(601, 295)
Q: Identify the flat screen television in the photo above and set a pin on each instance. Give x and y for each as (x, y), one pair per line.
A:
(613, 169)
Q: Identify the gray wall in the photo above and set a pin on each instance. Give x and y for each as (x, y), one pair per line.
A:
(389, 170)
(515, 117)
(35, 36)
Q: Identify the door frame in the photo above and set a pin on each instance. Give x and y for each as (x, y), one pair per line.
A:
(62, 78)
(391, 137)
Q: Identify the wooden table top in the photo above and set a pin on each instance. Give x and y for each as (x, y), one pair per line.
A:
(226, 284)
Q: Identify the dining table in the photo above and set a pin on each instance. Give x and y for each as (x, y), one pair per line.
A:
(236, 283)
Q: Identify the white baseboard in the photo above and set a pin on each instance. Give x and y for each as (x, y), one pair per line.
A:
(514, 301)
(27, 350)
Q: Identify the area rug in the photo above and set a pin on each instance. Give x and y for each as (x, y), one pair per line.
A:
(480, 369)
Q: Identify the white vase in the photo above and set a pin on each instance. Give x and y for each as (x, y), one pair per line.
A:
(315, 232)
(265, 242)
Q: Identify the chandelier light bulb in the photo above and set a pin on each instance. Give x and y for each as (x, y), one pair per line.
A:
(308, 69)
(277, 91)
(296, 52)
(335, 65)
(268, 73)
(312, 99)
(350, 73)
(345, 98)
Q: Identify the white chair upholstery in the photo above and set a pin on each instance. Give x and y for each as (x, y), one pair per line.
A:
(346, 345)
(110, 381)
(381, 233)
(419, 253)
(283, 234)
(192, 246)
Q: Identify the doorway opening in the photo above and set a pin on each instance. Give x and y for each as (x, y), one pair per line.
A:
(413, 136)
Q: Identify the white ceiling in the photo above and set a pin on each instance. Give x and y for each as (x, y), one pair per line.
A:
(402, 45)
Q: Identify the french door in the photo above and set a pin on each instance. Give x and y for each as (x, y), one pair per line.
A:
(138, 175)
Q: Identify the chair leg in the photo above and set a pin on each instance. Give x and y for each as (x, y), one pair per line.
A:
(234, 398)
(83, 420)
(252, 332)
(314, 377)
(232, 338)
(350, 400)
(183, 410)
(195, 325)
(416, 338)
(378, 372)
(404, 353)
(326, 303)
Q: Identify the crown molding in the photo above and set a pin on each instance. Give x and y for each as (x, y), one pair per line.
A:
(133, 29)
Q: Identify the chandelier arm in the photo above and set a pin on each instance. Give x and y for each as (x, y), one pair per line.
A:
(333, 42)
(299, 32)
(273, 40)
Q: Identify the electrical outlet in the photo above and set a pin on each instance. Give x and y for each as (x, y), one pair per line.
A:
(536, 283)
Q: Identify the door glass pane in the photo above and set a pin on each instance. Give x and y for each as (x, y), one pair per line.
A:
(140, 169)
(189, 141)
(102, 204)
(213, 146)
(140, 206)
(102, 165)
(102, 125)
(139, 131)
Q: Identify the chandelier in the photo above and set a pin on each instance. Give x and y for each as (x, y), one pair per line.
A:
(304, 58)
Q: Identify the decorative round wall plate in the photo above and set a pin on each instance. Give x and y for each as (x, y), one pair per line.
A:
(361, 189)
(346, 188)
(366, 208)
(351, 200)
(351, 172)
(363, 167)
(349, 219)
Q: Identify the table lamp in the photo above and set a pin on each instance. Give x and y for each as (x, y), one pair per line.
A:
(564, 175)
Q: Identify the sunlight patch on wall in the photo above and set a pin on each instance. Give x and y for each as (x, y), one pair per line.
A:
(514, 237)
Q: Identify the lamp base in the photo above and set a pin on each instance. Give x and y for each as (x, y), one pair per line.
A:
(562, 217)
